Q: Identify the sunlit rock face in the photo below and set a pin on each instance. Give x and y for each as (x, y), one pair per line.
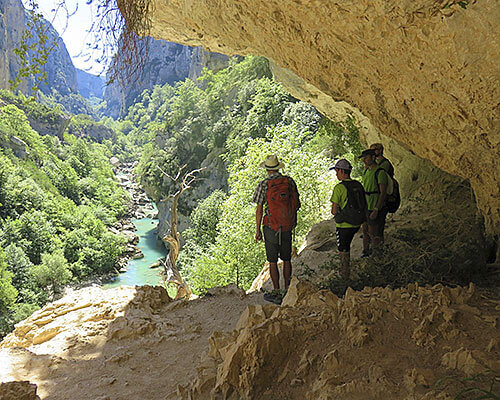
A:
(424, 72)
(11, 29)
(59, 69)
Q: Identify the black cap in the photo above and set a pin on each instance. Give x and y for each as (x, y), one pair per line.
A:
(368, 152)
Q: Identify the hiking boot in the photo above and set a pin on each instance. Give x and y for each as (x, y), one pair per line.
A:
(274, 296)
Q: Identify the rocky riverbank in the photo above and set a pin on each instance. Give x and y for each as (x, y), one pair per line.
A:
(140, 206)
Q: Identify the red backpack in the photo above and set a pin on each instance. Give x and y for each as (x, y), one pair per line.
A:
(282, 205)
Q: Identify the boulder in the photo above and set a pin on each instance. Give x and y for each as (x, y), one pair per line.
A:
(19, 390)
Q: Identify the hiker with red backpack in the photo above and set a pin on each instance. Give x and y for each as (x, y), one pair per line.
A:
(277, 200)
(349, 210)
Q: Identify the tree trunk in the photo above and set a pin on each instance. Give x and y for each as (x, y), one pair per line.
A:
(173, 238)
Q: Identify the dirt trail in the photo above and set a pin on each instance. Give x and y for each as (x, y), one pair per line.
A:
(122, 343)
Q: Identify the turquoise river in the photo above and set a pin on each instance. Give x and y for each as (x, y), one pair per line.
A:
(138, 271)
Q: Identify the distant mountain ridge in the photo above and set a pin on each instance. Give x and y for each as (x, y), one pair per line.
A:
(90, 85)
(165, 63)
(61, 73)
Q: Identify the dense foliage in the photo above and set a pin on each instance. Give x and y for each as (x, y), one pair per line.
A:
(56, 201)
(58, 196)
(227, 122)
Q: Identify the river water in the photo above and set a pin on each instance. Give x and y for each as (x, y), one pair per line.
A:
(138, 271)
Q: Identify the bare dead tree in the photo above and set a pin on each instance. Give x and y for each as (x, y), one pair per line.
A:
(170, 272)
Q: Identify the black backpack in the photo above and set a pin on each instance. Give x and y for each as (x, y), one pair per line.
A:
(393, 200)
(355, 210)
(390, 167)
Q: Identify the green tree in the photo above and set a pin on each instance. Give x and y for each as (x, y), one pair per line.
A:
(53, 272)
(19, 265)
(37, 234)
(8, 294)
(202, 233)
(340, 139)
(235, 255)
(13, 122)
(80, 158)
(204, 219)
(22, 194)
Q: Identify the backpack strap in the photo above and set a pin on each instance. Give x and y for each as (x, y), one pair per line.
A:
(347, 189)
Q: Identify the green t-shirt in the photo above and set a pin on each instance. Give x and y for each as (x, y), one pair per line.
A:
(370, 185)
(339, 196)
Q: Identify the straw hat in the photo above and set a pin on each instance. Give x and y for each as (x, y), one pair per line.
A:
(272, 163)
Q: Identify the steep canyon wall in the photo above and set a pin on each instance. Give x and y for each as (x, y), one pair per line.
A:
(423, 72)
(61, 74)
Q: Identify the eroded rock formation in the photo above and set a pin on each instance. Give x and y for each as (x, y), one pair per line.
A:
(378, 343)
(18, 390)
(122, 343)
(425, 72)
(131, 343)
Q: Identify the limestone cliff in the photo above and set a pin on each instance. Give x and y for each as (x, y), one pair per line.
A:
(424, 72)
(201, 58)
(11, 29)
(164, 62)
(61, 74)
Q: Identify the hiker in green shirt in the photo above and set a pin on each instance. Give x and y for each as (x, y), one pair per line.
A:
(386, 165)
(375, 185)
(345, 230)
(381, 160)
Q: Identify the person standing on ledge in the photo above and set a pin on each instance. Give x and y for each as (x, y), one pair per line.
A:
(375, 185)
(387, 166)
(381, 160)
(349, 210)
(277, 200)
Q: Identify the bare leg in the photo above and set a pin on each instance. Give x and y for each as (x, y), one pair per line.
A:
(275, 275)
(381, 232)
(345, 267)
(366, 238)
(375, 239)
(287, 272)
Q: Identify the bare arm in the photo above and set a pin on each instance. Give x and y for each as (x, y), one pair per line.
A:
(335, 208)
(381, 196)
(258, 219)
(380, 201)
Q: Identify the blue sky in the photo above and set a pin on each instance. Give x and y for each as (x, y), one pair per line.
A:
(73, 24)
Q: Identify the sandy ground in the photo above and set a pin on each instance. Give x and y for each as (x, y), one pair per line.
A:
(118, 343)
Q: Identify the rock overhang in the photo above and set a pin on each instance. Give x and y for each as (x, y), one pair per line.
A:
(424, 72)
